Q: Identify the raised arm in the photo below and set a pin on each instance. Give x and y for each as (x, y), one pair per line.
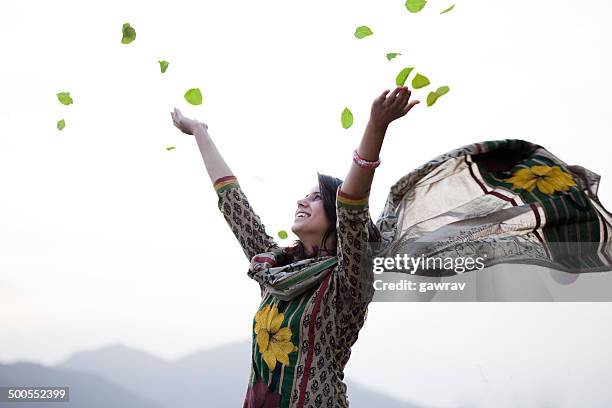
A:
(233, 204)
(385, 109)
(352, 206)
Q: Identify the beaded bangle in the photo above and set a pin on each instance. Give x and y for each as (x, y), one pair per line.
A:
(366, 164)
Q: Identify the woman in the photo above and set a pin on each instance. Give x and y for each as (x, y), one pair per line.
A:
(315, 294)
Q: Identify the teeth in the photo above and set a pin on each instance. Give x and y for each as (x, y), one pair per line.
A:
(302, 215)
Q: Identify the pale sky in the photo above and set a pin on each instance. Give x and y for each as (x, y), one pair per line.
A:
(105, 236)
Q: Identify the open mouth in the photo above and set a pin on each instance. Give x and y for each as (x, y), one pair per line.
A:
(301, 215)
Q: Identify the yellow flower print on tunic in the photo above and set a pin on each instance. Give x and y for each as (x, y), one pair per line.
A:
(547, 179)
(273, 341)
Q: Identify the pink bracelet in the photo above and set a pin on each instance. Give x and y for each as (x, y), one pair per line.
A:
(361, 162)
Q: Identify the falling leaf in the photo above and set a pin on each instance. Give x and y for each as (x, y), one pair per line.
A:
(347, 118)
(282, 234)
(442, 90)
(64, 98)
(392, 55)
(163, 65)
(448, 9)
(61, 124)
(362, 31)
(129, 34)
(194, 96)
(433, 96)
(400, 79)
(170, 147)
(419, 81)
(414, 6)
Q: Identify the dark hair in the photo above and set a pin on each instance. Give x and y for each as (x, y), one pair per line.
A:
(328, 187)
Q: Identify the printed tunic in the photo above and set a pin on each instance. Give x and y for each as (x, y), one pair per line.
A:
(301, 346)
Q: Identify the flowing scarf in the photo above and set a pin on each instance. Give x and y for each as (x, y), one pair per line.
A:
(506, 201)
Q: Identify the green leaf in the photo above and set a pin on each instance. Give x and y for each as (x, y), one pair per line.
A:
(362, 31)
(414, 6)
(448, 9)
(419, 81)
(442, 90)
(400, 79)
(129, 34)
(194, 96)
(61, 124)
(347, 118)
(64, 98)
(163, 65)
(282, 234)
(392, 55)
(170, 147)
(432, 98)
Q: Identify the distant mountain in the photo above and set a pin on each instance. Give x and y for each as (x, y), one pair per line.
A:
(86, 390)
(133, 369)
(215, 377)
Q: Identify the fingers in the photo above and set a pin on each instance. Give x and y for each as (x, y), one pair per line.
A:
(381, 97)
(391, 98)
(402, 97)
(410, 106)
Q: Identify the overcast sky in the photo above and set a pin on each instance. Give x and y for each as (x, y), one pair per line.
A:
(106, 236)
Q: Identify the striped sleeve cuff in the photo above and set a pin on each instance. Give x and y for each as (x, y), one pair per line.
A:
(350, 201)
(225, 183)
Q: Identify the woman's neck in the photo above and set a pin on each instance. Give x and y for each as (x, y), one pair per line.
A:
(310, 250)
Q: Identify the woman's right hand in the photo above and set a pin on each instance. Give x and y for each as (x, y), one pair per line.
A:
(386, 109)
(185, 124)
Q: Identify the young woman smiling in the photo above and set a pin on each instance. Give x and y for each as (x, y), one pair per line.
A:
(314, 294)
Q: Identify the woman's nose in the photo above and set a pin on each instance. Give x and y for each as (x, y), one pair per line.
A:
(301, 202)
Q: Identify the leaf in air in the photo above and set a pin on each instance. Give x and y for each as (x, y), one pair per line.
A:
(419, 81)
(194, 96)
(432, 98)
(163, 65)
(170, 147)
(64, 98)
(448, 9)
(61, 124)
(362, 31)
(282, 234)
(347, 118)
(392, 55)
(442, 90)
(414, 6)
(129, 34)
(400, 79)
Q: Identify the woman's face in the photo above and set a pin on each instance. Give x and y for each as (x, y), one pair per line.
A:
(310, 217)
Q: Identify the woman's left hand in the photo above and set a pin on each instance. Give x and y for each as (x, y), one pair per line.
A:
(185, 124)
(386, 109)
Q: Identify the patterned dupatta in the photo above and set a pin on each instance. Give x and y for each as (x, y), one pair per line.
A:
(284, 279)
(510, 201)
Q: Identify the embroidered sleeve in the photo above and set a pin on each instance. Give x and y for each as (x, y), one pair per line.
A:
(355, 273)
(241, 218)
